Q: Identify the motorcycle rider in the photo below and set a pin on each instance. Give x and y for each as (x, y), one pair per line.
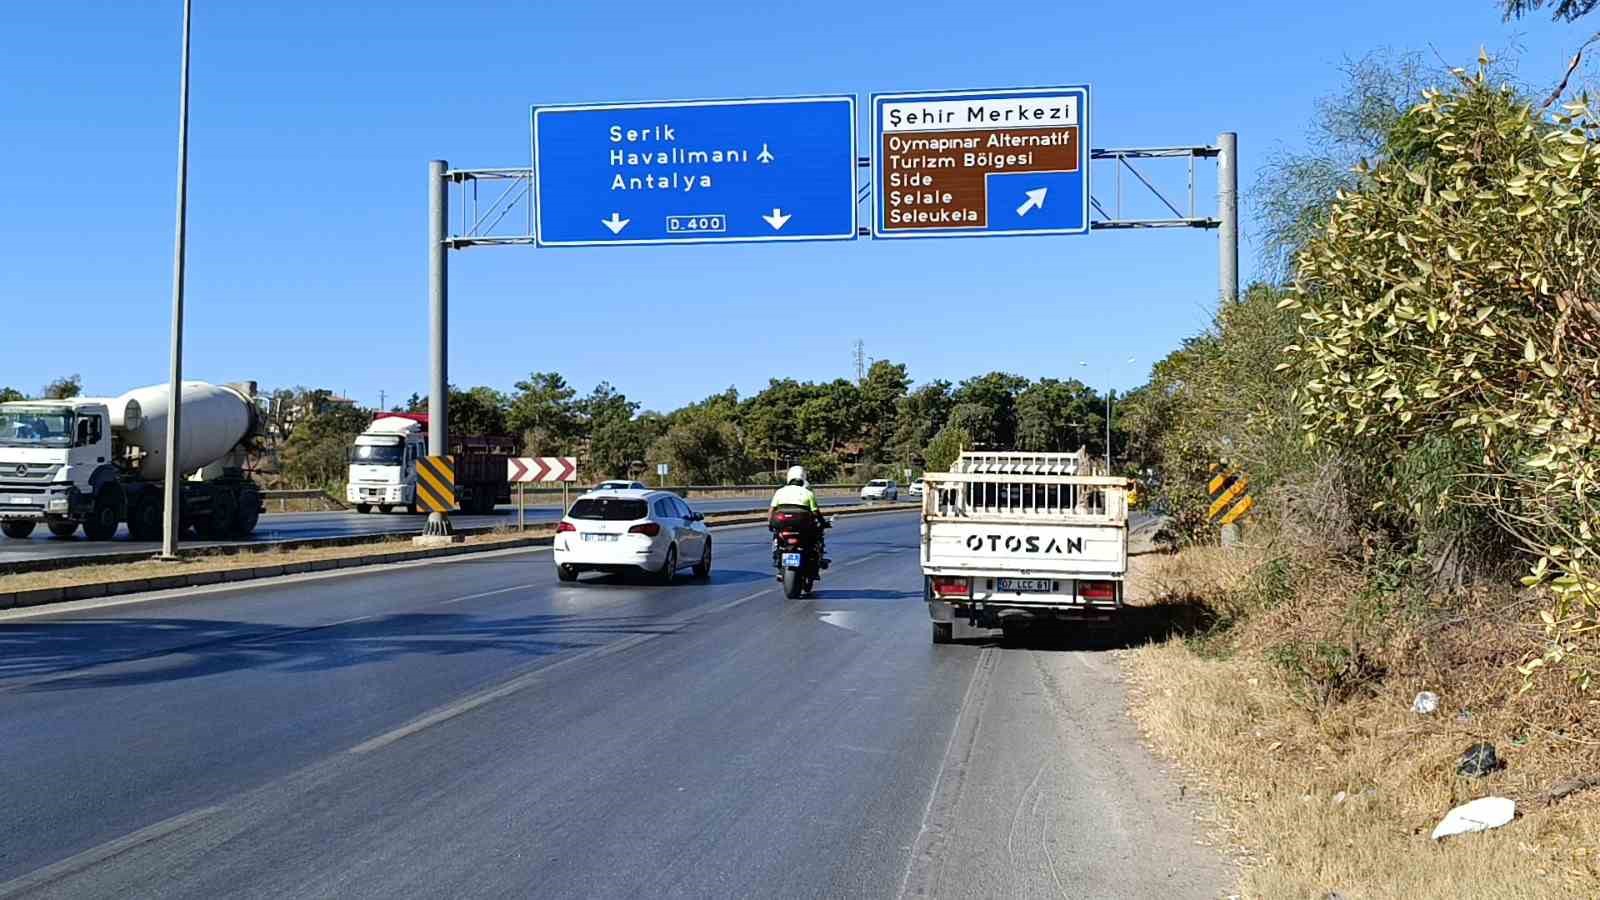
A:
(797, 493)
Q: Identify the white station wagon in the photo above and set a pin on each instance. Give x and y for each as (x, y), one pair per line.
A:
(654, 532)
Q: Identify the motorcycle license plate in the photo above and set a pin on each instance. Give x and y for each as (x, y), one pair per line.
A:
(1024, 585)
(791, 560)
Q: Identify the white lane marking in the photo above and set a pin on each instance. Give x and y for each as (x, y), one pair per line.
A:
(96, 855)
(480, 596)
(452, 710)
(929, 841)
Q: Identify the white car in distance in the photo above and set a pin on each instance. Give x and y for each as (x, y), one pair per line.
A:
(621, 486)
(632, 530)
(880, 489)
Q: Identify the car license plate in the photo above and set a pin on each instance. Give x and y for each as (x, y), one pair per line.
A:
(791, 560)
(591, 536)
(1025, 585)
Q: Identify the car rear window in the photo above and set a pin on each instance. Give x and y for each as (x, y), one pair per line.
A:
(877, 484)
(608, 509)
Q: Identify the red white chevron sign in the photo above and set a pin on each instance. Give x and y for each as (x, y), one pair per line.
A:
(524, 469)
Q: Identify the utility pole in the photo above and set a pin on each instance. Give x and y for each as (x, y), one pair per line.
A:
(1109, 392)
(383, 405)
(861, 361)
(1228, 215)
(438, 309)
(172, 492)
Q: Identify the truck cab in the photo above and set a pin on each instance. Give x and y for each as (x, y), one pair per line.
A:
(383, 463)
(55, 457)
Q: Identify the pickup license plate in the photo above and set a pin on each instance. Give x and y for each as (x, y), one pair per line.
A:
(1024, 585)
(591, 536)
(791, 560)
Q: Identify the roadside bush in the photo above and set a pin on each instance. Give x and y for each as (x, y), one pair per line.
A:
(1450, 332)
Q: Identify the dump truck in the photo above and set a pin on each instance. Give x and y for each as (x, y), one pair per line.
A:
(1011, 538)
(383, 466)
(97, 462)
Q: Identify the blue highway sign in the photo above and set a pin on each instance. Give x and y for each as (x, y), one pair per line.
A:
(981, 163)
(695, 171)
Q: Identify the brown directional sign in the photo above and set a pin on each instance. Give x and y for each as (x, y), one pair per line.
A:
(977, 163)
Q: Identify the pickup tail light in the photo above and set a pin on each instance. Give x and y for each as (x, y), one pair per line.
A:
(1097, 590)
(565, 527)
(649, 529)
(947, 586)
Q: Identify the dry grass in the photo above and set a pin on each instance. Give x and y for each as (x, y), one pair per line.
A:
(1277, 761)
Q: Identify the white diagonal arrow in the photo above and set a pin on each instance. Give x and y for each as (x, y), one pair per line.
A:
(616, 223)
(1035, 200)
(777, 219)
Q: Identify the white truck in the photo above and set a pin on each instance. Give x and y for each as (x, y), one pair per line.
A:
(383, 466)
(1016, 538)
(97, 462)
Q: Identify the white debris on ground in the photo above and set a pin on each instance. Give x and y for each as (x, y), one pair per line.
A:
(1479, 815)
(1426, 702)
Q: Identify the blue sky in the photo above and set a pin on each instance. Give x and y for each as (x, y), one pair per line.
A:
(312, 125)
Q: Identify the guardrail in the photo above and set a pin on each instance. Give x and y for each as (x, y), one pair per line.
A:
(283, 498)
(688, 490)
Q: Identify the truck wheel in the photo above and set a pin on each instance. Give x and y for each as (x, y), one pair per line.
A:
(218, 523)
(944, 633)
(249, 513)
(62, 529)
(18, 530)
(144, 520)
(364, 508)
(102, 522)
(384, 508)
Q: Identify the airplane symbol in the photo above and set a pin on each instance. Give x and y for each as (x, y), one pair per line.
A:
(765, 155)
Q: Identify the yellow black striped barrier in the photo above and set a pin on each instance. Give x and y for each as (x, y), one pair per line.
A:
(436, 483)
(1230, 494)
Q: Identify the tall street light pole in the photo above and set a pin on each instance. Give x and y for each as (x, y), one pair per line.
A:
(1085, 365)
(169, 532)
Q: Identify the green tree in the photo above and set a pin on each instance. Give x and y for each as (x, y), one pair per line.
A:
(996, 394)
(544, 412)
(481, 410)
(1561, 10)
(8, 394)
(615, 438)
(703, 447)
(945, 447)
(1055, 416)
(918, 417)
(1360, 122)
(880, 395)
(62, 388)
(316, 453)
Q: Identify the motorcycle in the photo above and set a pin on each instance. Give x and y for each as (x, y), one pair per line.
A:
(797, 550)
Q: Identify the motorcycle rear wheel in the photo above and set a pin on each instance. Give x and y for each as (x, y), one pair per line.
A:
(793, 583)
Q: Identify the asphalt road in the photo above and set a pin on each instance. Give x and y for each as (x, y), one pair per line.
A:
(300, 526)
(474, 728)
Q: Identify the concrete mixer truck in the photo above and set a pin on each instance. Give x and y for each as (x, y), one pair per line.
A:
(98, 462)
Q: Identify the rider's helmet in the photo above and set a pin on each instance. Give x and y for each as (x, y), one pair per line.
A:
(797, 475)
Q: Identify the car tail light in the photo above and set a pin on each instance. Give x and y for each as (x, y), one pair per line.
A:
(947, 586)
(565, 527)
(650, 529)
(1097, 590)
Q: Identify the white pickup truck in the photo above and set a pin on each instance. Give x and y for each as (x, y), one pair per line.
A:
(1012, 538)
